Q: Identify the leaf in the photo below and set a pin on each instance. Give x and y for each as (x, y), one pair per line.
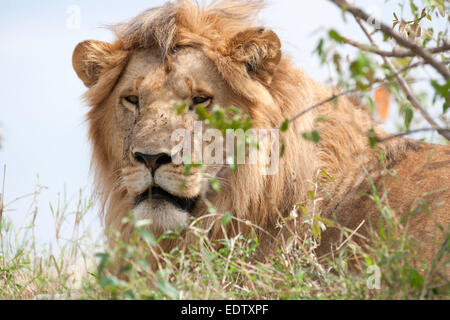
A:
(335, 36)
(285, 125)
(104, 257)
(313, 136)
(372, 138)
(442, 91)
(144, 234)
(109, 283)
(317, 232)
(143, 223)
(129, 295)
(226, 218)
(202, 114)
(166, 288)
(326, 222)
(180, 108)
(214, 184)
(413, 276)
(396, 256)
(187, 169)
(382, 102)
(409, 115)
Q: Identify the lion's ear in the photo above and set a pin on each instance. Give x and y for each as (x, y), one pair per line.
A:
(259, 49)
(90, 59)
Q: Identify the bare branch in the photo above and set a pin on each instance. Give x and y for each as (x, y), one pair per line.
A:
(404, 69)
(411, 98)
(317, 105)
(407, 133)
(428, 57)
(394, 53)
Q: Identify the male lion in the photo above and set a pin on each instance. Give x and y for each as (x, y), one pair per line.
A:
(183, 53)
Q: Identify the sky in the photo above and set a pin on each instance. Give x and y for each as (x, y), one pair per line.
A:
(42, 113)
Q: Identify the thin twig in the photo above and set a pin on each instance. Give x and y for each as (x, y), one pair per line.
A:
(351, 235)
(317, 105)
(394, 53)
(405, 88)
(406, 133)
(428, 57)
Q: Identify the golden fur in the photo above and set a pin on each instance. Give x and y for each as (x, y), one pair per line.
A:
(245, 66)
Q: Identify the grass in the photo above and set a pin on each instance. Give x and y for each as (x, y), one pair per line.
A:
(83, 268)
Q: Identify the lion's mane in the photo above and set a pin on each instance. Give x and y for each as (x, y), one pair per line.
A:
(262, 200)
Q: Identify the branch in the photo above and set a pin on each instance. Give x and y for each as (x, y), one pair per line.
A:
(399, 135)
(393, 53)
(358, 13)
(411, 98)
(317, 105)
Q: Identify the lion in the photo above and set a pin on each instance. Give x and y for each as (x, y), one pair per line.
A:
(184, 53)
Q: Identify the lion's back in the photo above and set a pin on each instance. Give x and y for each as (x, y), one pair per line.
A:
(420, 194)
(417, 190)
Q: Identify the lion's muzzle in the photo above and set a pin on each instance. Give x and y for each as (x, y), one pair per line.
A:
(157, 193)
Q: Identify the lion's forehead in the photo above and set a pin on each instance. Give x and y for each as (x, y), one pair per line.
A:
(180, 74)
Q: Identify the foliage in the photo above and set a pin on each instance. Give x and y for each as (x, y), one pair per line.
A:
(423, 23)
(226, 269)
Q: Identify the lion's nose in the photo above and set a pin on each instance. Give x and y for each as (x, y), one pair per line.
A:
(153, 162)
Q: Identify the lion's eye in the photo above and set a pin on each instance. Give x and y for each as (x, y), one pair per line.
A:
(134, 100)
(205, 101)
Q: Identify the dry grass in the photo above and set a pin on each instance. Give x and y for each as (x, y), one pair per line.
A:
(83, 269)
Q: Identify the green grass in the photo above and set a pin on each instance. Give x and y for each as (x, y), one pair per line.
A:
(82, 268)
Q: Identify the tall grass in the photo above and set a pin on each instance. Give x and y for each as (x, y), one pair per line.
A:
(83, 268)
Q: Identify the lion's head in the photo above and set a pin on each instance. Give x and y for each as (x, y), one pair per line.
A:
(175, 54)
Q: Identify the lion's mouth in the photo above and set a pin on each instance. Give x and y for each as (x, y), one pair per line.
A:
(185, 204)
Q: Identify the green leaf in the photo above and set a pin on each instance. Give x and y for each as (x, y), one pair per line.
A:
(104, 257)
(326, 222)
(319, 48)
(180, 109)
(215, 184)
(442, 91)
(372, 138)
(226, 218)
(187, 169)
(413, 276)
(129, 295)
(150, 238)
(285, 125)
(166, 288)
(143, 223)
(396, 256)
(409, 115)
(109, 283)
(202, 114)
(313, 136)
(335, 36)
(311, 194)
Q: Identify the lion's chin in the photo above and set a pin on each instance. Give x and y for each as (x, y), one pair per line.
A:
(163, 214)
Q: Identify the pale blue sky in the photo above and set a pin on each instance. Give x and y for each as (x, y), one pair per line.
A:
(42, 114)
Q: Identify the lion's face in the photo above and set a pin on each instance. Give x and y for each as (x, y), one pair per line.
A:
(161, 60)
(145, 120)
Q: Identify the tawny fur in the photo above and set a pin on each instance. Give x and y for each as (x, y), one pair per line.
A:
(270, 89)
